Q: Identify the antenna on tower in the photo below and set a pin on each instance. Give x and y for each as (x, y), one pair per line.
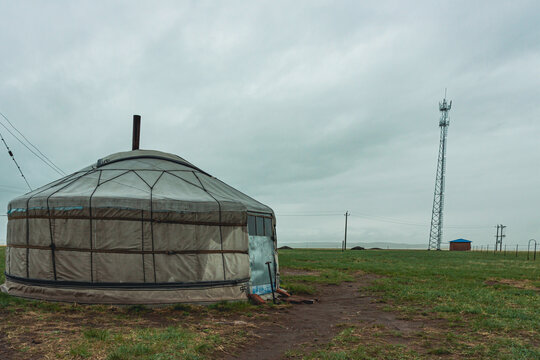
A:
(435, 233)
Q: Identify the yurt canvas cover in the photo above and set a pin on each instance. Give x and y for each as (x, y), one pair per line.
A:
(139, 227)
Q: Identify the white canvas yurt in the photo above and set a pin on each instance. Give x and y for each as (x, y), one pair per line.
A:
(139, 227)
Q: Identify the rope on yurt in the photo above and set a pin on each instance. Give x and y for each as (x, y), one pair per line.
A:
(27, 237)
(152, 224)
(45, 159)
(142, 229)
(91, 227)
(8, 251)
(28, 224)
(220, 230)
(37, 192)
(219, 207)
(131, 218)
(53, 246)
(113, 179)
(128, 252)
(187, 181)
(142, 246)
(15, 161)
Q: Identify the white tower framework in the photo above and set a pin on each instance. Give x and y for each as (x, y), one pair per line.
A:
(435, 234)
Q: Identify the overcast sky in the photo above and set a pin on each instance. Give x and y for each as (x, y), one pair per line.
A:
(313, 108)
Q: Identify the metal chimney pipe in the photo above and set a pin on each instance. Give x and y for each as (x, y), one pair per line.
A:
(136, 131)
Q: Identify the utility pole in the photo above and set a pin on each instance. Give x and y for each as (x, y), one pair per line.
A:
(499, 237)
(435, 233)
(345, 241)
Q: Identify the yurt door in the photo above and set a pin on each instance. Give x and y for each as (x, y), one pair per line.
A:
(261, 250)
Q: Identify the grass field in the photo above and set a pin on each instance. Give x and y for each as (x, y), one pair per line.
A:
(36, 329)
(488, 305)
(476, 305)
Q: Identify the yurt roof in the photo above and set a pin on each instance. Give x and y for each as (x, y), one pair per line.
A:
(128, 179)
(162, 157)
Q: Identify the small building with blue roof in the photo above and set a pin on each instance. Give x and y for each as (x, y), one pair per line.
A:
(460, 245)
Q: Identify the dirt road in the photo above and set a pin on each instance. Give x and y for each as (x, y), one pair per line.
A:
(308, 327)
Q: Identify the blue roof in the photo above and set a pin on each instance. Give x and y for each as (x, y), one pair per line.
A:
(461, 241)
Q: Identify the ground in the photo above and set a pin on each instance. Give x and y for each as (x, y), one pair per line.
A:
(371, 305)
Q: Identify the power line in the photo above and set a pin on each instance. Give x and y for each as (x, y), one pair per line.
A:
(15, 161)
(381, 219)
(35, 147)
(42, 157)
(405, 222)
(388, 221)
(32, 151)
(309, 215)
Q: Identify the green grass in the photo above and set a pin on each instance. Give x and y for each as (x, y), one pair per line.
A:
(232, 306)
(80, 351)
(326, 276)
(438, 282)
(96, 334)
(297, 288)
(484, 306)
(458, 288)
(121, 336)
(173, 342)
(347, 345)
(2, 263)
(306, 284)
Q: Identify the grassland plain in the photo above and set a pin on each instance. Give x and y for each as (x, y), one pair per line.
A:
(475, 305)
(47, 330)
(484, 305)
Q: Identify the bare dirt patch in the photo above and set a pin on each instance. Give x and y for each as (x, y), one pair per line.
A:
(265, 332)
(520, 284)
(308, 327)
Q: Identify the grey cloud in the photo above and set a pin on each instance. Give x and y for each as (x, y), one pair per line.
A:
(309, 107)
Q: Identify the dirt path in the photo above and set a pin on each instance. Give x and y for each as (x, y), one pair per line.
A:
(34, 334)
(307, 327)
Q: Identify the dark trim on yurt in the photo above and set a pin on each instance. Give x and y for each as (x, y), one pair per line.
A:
(136, 252)
(125, 285)
(124, 218)
(260, 213)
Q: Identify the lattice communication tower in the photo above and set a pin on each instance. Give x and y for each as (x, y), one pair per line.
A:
(435, 234)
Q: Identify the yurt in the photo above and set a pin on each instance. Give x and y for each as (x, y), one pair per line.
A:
(140, 227)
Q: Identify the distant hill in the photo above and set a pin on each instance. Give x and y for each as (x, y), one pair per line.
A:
(337, 245)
